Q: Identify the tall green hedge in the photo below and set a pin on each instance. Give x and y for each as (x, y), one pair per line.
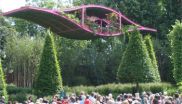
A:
(48, 80)
(3, 91)
(176, 43)
(136, 65)
(150, 49)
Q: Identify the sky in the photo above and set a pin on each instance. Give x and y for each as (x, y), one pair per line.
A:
(7, 5)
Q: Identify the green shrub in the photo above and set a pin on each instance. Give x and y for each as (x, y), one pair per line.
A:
(155, 87)
(12, 89)
(21, 97)
(175, 37)
(171, 91)
(48, 80)
(120, 88)
(136, 66)
(150, 49)
(3, 91)
(18, 93)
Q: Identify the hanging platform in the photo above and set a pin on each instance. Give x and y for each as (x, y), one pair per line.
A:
(83, 22)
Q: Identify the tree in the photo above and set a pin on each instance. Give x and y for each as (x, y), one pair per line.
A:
(175, 37)
(5, 30)
(97, 59)
(150, 49)
(3, 91)
(69, 52)
(22, 58)
(136, 65)
(24, 27)
(48, 80)
(173, 11)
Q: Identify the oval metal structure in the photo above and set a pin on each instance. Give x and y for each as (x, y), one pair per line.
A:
(82, 22)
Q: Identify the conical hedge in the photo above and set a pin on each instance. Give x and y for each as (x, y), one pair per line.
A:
(48, 80)
(136, 65)
(150, 49)
(3, 91)
(176, 44)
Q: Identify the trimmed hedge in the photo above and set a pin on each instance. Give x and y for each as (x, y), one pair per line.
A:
(116, 89)
(12, 89)
(151, 52)
(21, 97)
(136, 66)
(175, 36)
(3, 91)
(18, 93)
(21, 94)
(48, 80)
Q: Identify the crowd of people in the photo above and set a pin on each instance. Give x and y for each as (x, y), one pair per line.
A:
(96, 98)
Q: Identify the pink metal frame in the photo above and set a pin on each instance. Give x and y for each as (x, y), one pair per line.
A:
(114, 11)
(82, 25)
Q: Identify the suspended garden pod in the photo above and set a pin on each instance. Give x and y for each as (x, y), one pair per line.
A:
(82, 22)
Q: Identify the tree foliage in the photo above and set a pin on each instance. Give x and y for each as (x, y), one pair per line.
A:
(3, 91)
(24, 27)
(88, 57)
(97, 59)
(48, 80)
(150, 49)
(22, 58)
(136, 64)
(176, 43)
(155, 14)
(5, 31)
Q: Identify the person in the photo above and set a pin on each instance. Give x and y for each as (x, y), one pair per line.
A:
(45, 101)
(59, 101)
(9, 102)
(87, 100)
(118, 100)
(80, 100)
(111, 100)
(54, 99)
(65, 100)
(30, 101)
(156, 99)
(82, 97)
(92, 97)
(73, 100)
(125, 102)
(168, 102)
(176, 99)
(2, 100)
(15, 102)
(98, 100)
